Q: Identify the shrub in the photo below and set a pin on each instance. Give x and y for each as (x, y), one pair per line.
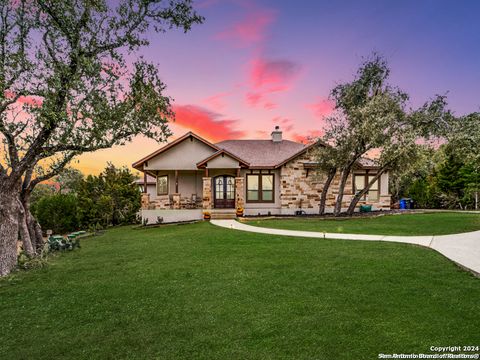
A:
(58, 213)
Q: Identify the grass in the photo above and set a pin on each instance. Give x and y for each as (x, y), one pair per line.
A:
(202, 292)
(400, 224)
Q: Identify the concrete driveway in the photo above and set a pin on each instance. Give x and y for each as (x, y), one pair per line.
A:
(463, 249)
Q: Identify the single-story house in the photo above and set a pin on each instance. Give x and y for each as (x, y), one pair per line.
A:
(190, 176)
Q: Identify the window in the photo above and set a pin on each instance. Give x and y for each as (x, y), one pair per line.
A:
(373, 192)
(260, 187)
(362, 180)
(162, 185)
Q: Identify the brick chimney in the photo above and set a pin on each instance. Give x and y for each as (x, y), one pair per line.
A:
(277, 134)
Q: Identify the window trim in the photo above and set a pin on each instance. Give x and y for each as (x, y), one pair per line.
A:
(165, 193)
(260, 188)
(366, 175)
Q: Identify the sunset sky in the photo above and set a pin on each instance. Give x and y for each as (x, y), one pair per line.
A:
(256, 64)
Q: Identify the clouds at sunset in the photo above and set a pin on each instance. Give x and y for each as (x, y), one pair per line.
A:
(307, 138)
(250, 30)
(206, 123)
(321, 108)
(267, 77)
(217, 101)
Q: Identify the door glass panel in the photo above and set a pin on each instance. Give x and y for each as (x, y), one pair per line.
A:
(230, 189)
(219, 194)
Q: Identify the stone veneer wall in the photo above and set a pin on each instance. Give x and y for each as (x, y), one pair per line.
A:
(299, 191)
(239, 192)
(207, 193)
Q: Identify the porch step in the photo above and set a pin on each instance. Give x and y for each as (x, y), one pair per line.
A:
(223, 214)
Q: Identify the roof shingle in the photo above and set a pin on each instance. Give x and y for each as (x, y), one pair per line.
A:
(262, 153)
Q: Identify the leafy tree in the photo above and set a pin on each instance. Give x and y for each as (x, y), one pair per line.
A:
(371, 114)
(58, 213)
(112, 198)
(69, 180)
(65, 88)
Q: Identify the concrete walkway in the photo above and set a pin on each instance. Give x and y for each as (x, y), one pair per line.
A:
(463, 249)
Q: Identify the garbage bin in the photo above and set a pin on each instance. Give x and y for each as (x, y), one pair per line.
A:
(403, 204)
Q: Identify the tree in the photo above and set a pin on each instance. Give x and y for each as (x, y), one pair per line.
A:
(65, 88)
(69, 180)
(372, 115)
(366, 111)
(112, 198)
(58, 213)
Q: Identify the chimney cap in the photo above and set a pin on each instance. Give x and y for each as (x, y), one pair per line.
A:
(277, 134)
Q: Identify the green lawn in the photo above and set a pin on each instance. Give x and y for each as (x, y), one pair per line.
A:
(402, 224)
(202, 292)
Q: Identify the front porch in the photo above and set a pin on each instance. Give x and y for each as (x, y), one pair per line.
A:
(192, 190)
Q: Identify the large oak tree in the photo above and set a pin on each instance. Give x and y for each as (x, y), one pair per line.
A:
(66, 88)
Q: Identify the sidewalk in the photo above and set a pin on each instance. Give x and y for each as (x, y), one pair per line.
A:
(463, 249)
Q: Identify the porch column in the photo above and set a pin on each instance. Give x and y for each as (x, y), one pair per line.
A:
(145, 201)
(176, 201)
(144, 182)
(239, 192)
(207, 193)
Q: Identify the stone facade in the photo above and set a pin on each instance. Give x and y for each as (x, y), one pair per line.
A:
(145, 201)
(301, 188)
(239, 192)
(175, 202)
(207, 193)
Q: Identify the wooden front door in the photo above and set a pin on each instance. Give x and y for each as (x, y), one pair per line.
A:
(224, 192)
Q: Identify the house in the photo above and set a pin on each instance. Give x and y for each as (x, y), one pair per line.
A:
(264, 177)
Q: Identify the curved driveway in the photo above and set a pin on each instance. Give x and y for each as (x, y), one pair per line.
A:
(464, 249)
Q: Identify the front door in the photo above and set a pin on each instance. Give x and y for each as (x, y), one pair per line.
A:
(224, 192)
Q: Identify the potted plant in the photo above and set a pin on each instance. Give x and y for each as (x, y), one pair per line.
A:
(206, 215)
(239, 211)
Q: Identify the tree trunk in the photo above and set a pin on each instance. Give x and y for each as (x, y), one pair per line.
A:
(39, 242)
(326, 186)
(8, 228)
(32, 224)
(341, 189)
(23, 229)
(358, 196)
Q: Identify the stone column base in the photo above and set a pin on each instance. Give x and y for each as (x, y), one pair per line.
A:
(207, 193)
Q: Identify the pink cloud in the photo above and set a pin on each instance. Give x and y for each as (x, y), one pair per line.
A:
(284, 123)
(216, 101)
(307, 138)
(206, 123)
(267, 77)
(321, 108)
(251, 29)
(273, 75)
(254, 99)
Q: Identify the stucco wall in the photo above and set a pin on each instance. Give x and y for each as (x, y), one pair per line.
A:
(182, 156)
(223, 162)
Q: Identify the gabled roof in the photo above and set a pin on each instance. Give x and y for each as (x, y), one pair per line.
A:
(137, 164)
(204, 162)
(262, 153)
